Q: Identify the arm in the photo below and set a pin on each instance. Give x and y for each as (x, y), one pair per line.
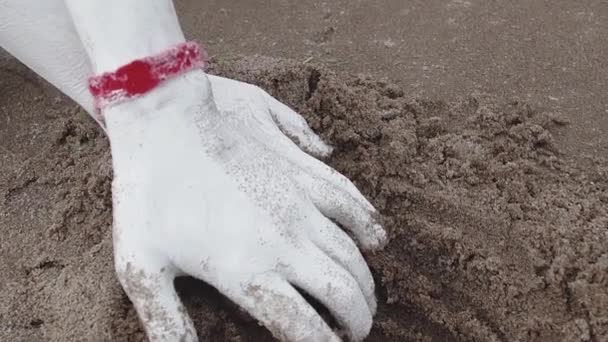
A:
(42, 36)
(115, 32)
(189, 198)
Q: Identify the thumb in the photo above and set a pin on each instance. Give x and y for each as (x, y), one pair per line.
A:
(295, 127)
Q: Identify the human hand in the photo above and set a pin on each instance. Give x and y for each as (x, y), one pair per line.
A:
(207, 183)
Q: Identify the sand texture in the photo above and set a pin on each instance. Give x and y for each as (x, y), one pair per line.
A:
(495, 235)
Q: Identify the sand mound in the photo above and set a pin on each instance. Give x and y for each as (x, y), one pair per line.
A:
(495, 236)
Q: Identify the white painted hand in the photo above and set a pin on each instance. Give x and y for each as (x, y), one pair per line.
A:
(207, 183)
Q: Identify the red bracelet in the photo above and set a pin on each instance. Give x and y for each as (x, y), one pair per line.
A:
(142, 75)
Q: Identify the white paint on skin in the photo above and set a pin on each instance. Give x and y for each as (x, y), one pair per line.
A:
(207, 183)
(42, 36)
(115, 32)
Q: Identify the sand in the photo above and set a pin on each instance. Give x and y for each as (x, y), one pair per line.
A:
(495, 235)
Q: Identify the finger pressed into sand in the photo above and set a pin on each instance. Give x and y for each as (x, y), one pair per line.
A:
(295, 127)
(340, 206)
(282, 310)
(342, 249)
(332, 176)
(321, 277)
(149, 286)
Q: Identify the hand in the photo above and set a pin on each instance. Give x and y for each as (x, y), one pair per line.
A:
(207, 183)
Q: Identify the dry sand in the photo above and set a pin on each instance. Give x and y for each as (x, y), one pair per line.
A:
(495, 235)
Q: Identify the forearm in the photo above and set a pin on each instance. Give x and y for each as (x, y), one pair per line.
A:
(115, 32)
(41, 35)
(66, 42)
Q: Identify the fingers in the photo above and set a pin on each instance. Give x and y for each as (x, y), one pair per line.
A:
(295, 127)
(332, 176)
(340, 247)
(230, 93)
(344, 197)
(282, 310)
(318, 275)
(339, 205)
(149, 286)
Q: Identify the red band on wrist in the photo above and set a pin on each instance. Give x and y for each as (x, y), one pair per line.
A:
(143, 75)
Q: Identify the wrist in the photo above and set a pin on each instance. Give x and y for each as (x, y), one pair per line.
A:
(159, 126)
(174, 100)
(140, 76)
